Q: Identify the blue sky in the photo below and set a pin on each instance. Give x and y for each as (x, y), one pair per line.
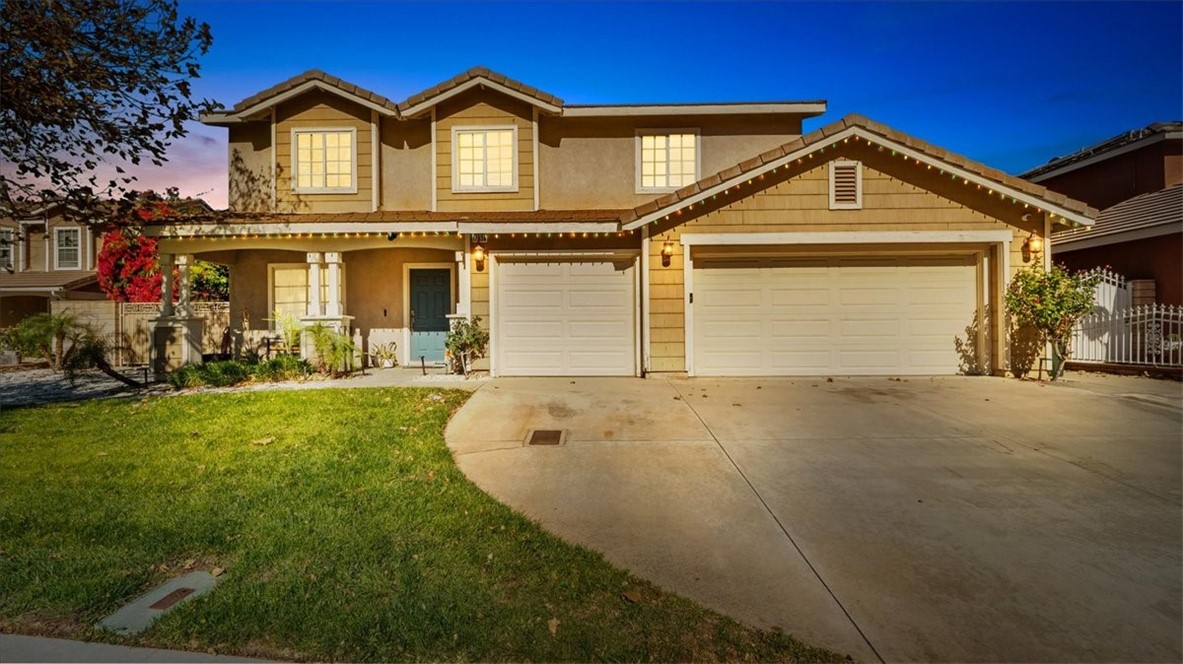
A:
(1011, 84)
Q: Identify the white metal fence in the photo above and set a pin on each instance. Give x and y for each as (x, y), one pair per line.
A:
(1150, 334)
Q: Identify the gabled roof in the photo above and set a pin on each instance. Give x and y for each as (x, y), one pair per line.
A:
(298, 84)
(478, 76)
(1106, 149)
(422, 102)
(1147, 215)
(856, 125)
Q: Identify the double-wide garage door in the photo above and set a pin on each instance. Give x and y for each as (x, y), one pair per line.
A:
(565, 317)
(761, 317)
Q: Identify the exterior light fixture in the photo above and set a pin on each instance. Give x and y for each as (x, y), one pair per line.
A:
(478, 257)
(667, 250)
(1032, 247)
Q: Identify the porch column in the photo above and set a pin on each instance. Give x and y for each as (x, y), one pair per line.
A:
(166, 286)
(184, 308)
(314, 283)
(333, 263)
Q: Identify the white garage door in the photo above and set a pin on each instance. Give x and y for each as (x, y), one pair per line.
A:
(565, 318)
(831, 316)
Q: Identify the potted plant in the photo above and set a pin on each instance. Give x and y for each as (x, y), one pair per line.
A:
(384, 355)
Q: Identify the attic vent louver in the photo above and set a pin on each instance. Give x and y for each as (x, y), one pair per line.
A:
(846, 185)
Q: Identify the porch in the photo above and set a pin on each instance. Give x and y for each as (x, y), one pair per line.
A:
(387, 291)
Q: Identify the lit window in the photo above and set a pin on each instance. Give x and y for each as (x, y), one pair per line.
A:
(324, 161)
(484, 160)
(6, 245)
(667, 161)
(289, 291)
(68, 253)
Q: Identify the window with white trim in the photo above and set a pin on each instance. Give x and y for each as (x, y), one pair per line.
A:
(6, 248)
(846, 185)
(324, 161)
(484, 159)
(289, 294)
(667, 160)
(67, 244)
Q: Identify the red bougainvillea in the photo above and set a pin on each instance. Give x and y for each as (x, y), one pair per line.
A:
(128, 267)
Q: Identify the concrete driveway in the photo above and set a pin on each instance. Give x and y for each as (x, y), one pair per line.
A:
(947, 519)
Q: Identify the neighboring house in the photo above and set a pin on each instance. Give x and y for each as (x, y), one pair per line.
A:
(45, 255)
(1135, 179)
(709, 239)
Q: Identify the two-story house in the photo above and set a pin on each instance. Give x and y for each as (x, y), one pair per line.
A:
(44, 255)
(1136, 180)
(708, 239)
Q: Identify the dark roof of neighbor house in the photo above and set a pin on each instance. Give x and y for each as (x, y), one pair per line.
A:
(818, 138)
(1157, 208)
(315, 75)
(37, 281)
(1107, 145)
(399, 216)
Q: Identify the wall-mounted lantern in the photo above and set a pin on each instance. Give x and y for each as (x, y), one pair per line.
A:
(1032, 247)
(667, 250)
(478, 257)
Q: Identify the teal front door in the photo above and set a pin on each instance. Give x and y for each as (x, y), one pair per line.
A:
(431, 302)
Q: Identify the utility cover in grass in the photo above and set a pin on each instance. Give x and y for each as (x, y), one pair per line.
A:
(140, 614)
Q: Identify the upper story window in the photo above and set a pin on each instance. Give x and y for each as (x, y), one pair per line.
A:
(67, 248)
(324, 161)
(6, 245)
(485, 159)
(667, 160)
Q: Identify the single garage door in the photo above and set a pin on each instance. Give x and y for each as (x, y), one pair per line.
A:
(768, 317)
(565, 317)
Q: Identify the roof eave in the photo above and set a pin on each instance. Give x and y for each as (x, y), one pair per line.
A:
(803, 109)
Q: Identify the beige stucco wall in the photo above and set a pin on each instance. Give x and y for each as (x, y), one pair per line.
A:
(406, 164)
(590, 163)
(250, 167)
(315, 110)
(475, 109)
(583, 162)
(897, 196)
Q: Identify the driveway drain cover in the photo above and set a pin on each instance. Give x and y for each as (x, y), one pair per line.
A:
(545, 437)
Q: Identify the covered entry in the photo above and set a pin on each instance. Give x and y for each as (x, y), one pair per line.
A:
(565, 315)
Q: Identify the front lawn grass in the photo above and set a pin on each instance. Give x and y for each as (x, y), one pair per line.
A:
(345, 529)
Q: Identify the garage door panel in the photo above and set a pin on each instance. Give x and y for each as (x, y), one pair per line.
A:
(869, 327)
(800, 329)
(853, 297)
(533, 330)
(882, 315)
(564, 317)
(800, 298)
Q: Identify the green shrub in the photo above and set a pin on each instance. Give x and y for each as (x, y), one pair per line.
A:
(282, 367)
(187, 376)
(467, 341)
(334, 350)
(232, 372)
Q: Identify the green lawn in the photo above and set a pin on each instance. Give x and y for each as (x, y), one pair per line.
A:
(344, 527)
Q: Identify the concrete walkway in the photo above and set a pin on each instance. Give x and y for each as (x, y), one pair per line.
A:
(18, 648)
(951, 519)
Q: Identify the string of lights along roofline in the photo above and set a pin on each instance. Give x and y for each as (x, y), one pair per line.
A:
(894, 153)
(378, 234)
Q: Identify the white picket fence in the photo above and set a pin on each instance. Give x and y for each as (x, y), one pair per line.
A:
(1149, 334)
